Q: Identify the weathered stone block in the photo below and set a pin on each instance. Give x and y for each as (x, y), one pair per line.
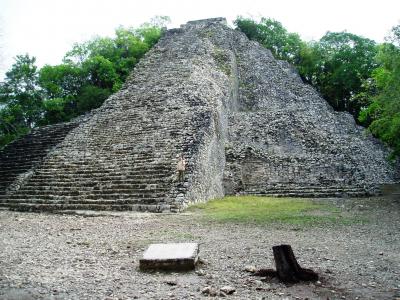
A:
(175, 257)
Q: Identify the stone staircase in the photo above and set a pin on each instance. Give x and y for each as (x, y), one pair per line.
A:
(141, 181)
(27, 153)
(132, 188)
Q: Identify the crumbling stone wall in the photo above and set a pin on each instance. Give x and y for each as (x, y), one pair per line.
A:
(287, 140)
(244, 121)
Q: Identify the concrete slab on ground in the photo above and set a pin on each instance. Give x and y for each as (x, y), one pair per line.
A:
(173, 256)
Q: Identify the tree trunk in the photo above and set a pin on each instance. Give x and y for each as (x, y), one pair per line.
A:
(287, 268)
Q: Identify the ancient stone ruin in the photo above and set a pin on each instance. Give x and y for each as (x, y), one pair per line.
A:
(244, 121)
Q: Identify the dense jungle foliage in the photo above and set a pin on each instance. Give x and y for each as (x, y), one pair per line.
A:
(351, 72)
(89, 73)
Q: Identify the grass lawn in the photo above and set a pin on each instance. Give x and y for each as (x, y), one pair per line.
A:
(255, 209)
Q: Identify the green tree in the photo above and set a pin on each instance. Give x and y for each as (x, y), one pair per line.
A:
(345, 61)
(56, 110)
(20, 99)
(11, 123)
(123, 51)
(100, 72)
(61, 81)
(90, 73)
(151, 32)
(383, 113)
(21, 88)
(273, 36)
(92, 70)
(91, 97)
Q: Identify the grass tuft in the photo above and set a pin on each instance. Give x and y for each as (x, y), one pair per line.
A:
(261, 210)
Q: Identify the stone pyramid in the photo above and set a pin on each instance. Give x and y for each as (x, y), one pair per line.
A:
(244, 121)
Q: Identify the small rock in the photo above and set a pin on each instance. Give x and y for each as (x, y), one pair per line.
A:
(222, 294)
(171, 282)
(228, 289)
(208, 290)
(251, 269)
(259, 282)
(213, 292)
(200, 272)
(201, 261)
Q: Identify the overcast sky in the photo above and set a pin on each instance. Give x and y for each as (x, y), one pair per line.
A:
(46, 29)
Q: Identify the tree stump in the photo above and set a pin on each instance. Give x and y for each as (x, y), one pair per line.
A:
(287, 268)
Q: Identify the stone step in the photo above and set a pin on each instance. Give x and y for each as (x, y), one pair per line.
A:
(17, 157)
(14, 172)
(6, 182)
(33, 182)
(319, 194)
(16, 169)
(90, 194)
(328, 191)
(109, 174)
(126, 164)
(105, 191)
(4, 186)
(70, 200)
(34, 145)
(305, 187)
(99, 171)
(61, 207)
(137, 195)
(24, 154)
(13, 176)
(102, 176)
(99, 181)
(93, 186)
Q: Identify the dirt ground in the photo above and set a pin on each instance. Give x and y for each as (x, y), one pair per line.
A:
(96, 255)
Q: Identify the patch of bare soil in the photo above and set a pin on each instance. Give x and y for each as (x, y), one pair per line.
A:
(96, 255)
